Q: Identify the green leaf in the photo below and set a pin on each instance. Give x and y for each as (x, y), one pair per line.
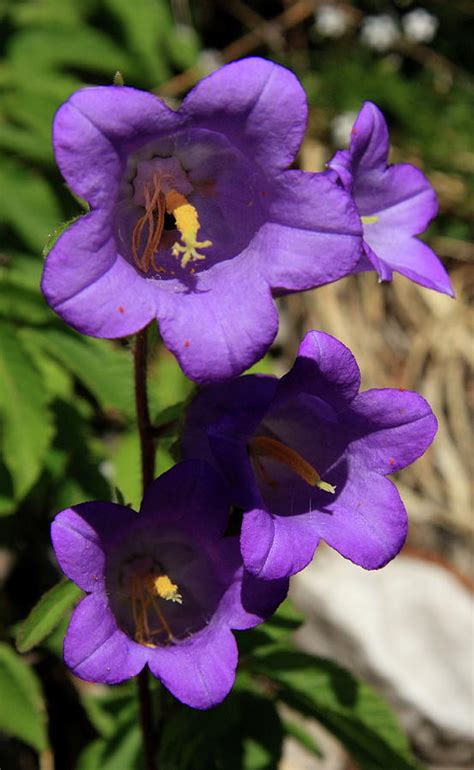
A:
(53, 237)
(284, 622)
(23, 305)
(28, 204)
(344, 705)
(146, 25)
(22, 712)
(105, 370)
(121, 748)
(24, 412)
(46, 615)
(297, 731)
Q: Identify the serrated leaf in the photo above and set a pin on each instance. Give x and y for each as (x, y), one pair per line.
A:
(22, 712)
(24, 412)
(56, 48)
(105, 371)
(46, 614)
(23, 305)
(146, 25)
(347, 707)
(28, 204)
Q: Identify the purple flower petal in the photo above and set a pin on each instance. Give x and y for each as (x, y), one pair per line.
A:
(367, 522)
(397, 426)
(313, 467)
(324, 368)
(273, 546)
(259, 105)
(95, 130)
(104, 296)
(166, 587)
(411, 258)
(309, 215)
(395, 204)
(200, 674)
(189, 485)
(216, 340)
(96, 649)
(251, 394)
(79, 535)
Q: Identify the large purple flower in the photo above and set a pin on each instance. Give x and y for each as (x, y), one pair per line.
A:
(196, 219)
(165, 587)
(306, 457)
(395, 203)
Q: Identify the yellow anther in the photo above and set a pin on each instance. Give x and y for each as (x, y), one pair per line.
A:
(187, 222)
(369, 220)
(264, 446)
(167, 590)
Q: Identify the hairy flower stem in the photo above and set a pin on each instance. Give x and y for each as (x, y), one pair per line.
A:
(147, 454)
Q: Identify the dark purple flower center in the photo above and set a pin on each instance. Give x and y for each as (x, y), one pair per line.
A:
(161, 592)
(204, 189)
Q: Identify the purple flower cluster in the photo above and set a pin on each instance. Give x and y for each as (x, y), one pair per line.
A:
(197, 220)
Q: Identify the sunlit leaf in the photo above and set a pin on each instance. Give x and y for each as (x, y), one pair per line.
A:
(346, 706)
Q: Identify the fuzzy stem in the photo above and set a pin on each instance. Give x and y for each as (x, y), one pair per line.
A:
(147, 454)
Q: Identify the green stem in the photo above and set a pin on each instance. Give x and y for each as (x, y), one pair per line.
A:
(147, 455)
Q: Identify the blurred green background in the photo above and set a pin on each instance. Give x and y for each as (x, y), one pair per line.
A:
(66, 402)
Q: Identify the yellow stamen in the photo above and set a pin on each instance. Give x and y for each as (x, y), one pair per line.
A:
(369, 220)
(264, 446)
(187, 222)
(144, 590)
(167, 590)
(157, 203)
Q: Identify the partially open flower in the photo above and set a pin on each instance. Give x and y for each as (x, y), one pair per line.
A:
(306, 457)
(395, 204)
(196, 219)
(165, 587)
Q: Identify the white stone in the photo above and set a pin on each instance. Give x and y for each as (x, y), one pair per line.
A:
(408, 629)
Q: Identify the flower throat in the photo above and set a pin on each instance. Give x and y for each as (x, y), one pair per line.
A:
(144, 592)
(157, 204)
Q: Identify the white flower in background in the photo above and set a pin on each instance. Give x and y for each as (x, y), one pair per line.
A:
(420, 25)
(341, 127)
(379, 32)
(331, 20)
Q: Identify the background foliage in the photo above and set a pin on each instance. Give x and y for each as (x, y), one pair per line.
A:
(66, 402)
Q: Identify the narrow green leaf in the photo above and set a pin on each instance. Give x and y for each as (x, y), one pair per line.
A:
(24, 413)
(46, 615)
(22, 712)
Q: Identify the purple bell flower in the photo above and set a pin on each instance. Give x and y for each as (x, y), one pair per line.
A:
(195, 219)
(395, 203)
(165, 586)
(306, 458)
